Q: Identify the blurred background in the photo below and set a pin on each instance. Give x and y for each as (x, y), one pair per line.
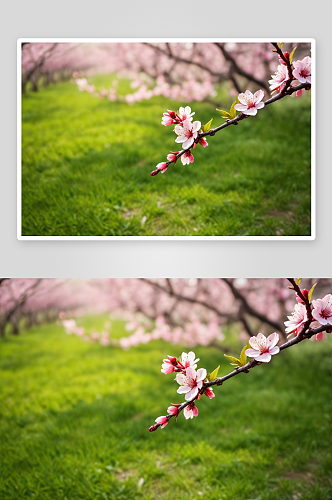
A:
(91, 135)
(80, 363)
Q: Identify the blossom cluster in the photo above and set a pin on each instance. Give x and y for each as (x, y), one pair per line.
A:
(71, 328)
(187, 133)
(321, 314)
(191, 384)
(301, 73)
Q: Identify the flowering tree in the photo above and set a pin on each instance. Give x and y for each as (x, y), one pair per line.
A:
(290, 78)
(309, 320)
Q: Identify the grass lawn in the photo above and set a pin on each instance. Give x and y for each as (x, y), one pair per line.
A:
(75, 416)
(86, 167)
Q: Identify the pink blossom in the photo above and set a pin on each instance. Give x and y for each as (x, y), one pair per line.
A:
(162, 421)
(250, 103)
(305, 293)
(191, 382)
(187, 133)
(169, 118)
(161, 167)
(263, 347)
(185, 114)
(322, 310)
(169, 365)
(173, 410)
(188, 360)
(286, 55)
(209, 393)
(190, 411)
(279, 79)
(297, 319)
(187, 158)
(302, 70)
(172, 156)
(203, 142)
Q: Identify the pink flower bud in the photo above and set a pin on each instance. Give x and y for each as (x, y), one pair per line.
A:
(172, 157)
(286, 54)
(153, 427)
(305, 293)
(162, 421)
(203, 142)
(155, 172)
(173, 410)
(209, 393)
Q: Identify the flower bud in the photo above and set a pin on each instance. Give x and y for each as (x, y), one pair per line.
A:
(153, 427)
(305, 293)
(286, 55)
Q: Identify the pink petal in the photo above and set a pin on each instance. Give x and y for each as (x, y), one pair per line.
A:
(187, 124)
(190, 372)
(319, 336)
(260, 105)
(265, 357)
(274, 350)
(181, 379)
(253, 343)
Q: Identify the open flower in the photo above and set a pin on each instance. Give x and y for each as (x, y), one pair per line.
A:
(169, 118)
(188, 360)
(185, 113)
(322, 310)
(191, 382)
(187, 158)
(279, 79)
(263, 348)
(190, 411)
(302, 70)
(250, 103)
(187, 133)
(297, 319)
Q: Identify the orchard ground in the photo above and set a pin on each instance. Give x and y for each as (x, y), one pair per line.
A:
(75, 419)
(86, 167)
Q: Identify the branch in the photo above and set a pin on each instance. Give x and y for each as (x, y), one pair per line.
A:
(235, 121)
(252, 364)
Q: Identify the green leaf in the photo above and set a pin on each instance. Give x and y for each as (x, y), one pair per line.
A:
(310, 293)
(281, 45)
(299, 281)
(236, 362)
(291, 56)
(214, 374)
(243, 356)
(207, 126)
(225, 113)
(233, 110)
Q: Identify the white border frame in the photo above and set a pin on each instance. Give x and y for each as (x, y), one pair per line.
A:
(176, 238)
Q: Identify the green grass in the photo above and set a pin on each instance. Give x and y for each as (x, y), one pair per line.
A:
(86, 167)
(75, 416)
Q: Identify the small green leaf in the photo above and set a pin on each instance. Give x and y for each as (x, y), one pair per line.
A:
(243, 356)
(299, 281)
(207, 126)
(225, 113)
(310, 293)
(207, 377)
(236, 362)
(281, 45)
(233, 110)
(291, 56)
(214, 374)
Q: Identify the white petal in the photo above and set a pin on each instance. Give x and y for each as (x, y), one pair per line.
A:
(240, 107)
(258, 96)
(196, 126)
(265, 357)
(274, 350)
(201, 374)
(181, 138)
(191, 355)
(252, 353)
(190, 372)
(188, 143)
(260, 105)
(183, 389)
(272, 340)
(190, 395)
(181, 379)
(250, 112)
